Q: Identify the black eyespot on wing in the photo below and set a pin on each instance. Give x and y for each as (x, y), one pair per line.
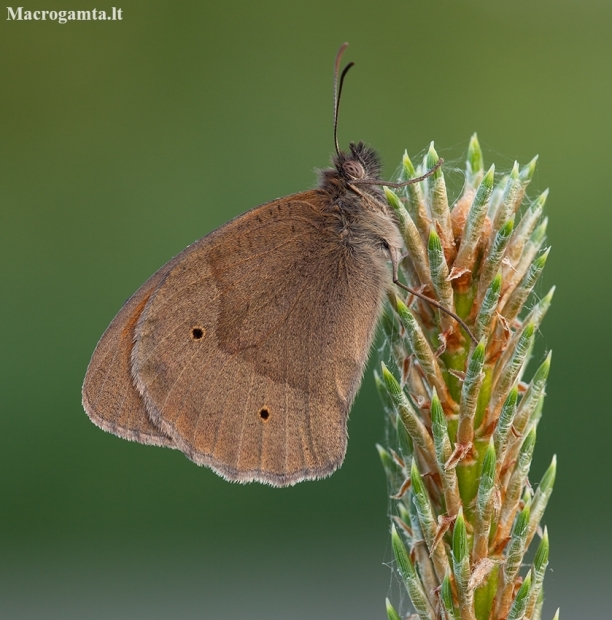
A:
(264, 413)
(197, 333)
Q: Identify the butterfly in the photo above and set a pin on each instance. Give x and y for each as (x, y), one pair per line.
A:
(247, 349)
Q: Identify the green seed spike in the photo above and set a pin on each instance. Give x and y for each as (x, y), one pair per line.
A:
(444, 450)
(504, 423)
(541, 497)
(508, 375)
(446, 596)
(517, 611)
(439, 277)
(429, 526)
(412, 237)
(410, 577)
(461, 568)
(514, 557)
(532, 396)
(518, 297)
(424, 354)
(391, 613)
(438, 200)
(484, 506)
(540, 562)
(467, 529)
(469, 394)
(494, 257)
(473, 226)
(525, 228)
(416, 203)
(515, 486)
(488, 307)
(474, 164)
(413, 423)
(512, 191)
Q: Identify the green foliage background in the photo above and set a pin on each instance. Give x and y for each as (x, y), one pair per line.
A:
(122, 142)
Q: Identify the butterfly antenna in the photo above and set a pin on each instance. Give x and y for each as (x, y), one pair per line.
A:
(403, 183)
(338, 90)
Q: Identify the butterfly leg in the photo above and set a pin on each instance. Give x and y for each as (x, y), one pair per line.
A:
(429, 300)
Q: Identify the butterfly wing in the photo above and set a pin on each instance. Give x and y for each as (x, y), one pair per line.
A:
(251, 349)
(109, 396)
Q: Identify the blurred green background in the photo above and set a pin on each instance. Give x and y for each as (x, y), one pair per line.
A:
(122, 142)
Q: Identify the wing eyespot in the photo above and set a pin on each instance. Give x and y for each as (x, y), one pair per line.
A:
(197, 333)
(264, 413)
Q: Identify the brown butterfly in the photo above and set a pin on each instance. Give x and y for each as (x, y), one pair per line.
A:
(246, 350)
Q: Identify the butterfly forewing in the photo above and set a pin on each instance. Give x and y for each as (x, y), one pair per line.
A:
(233, 351)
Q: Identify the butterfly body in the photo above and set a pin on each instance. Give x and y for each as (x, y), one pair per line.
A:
(246, 350)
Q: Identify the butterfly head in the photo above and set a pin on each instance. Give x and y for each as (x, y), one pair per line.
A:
(360, 163)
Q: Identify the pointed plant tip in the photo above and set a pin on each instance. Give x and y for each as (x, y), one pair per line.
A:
(543, 196)
(529, 169)
(392, 198)
(526, 586)
(434, 240)
(529, 330)
(556, 616)
(489, 461)
(489, 177)
(514, 174)
(408, 165)
(508, 227)
(475, 160)
(432, 156)
(391, 613)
